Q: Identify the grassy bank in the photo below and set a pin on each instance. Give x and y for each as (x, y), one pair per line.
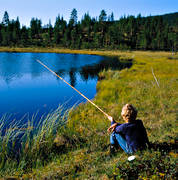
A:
(85, 132)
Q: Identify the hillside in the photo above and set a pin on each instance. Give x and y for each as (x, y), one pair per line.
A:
(171, 18)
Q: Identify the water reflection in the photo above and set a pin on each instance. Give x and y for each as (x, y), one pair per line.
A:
(72, 75)
(27, 87)
(92, 71)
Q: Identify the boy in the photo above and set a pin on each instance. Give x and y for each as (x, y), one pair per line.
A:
(131, 136)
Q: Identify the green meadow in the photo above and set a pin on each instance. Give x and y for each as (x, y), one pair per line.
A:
(80, 148)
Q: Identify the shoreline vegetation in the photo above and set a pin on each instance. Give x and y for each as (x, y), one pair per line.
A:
(101, 52)
(80, 148)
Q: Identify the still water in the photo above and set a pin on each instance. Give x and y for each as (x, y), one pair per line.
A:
(26, 87)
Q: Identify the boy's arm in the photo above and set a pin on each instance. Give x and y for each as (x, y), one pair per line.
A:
(110, 118)
(114, 124)
(112, 127)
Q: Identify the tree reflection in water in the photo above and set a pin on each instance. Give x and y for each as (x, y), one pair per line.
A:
(91, 71)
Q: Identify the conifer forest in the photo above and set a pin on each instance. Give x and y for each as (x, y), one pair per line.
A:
(102, 32)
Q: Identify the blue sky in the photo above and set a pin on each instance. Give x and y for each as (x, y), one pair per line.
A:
(49, 9)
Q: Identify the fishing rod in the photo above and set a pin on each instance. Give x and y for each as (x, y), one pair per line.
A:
(74, 88)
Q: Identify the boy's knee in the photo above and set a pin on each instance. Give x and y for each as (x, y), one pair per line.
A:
(112, 138)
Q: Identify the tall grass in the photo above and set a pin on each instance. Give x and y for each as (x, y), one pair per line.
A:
(85, 136)
(23, 147)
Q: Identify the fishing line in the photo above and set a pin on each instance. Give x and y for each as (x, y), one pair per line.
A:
(73, 88)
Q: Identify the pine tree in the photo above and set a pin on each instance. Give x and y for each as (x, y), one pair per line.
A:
(16, 31)
(73, 18)
(86, 27)
(111, 17)
(24, 36)
(1, 34)
(103, 16)
(35, 31)
(50, 32)
(57, 30)
(5, 20)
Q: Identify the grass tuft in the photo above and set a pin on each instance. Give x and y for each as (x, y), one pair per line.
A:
(25, 147)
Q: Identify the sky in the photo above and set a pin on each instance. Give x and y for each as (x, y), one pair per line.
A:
(50, 9)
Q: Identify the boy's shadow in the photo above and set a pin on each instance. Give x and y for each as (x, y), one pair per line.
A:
(165, 146)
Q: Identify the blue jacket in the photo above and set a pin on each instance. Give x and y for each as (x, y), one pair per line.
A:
(134, 134)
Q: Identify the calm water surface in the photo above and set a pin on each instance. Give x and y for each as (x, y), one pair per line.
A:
(26, 87)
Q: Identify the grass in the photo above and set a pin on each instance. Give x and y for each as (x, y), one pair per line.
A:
(85, 138)
(25, 146)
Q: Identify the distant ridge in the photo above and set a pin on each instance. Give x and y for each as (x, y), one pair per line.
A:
(171, 18)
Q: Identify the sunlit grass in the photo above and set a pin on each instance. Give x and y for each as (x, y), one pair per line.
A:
(156, 106)
(84, 138)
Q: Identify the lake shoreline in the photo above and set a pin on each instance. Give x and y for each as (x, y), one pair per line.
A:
(51, 50)
(85, 136)
(29, 77)
(102, 52)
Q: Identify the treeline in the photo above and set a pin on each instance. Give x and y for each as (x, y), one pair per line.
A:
(142, 33)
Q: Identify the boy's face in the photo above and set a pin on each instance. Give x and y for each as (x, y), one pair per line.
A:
(125, 119)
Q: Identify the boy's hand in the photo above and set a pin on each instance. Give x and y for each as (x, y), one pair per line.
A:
(110, 118)
(112, 128)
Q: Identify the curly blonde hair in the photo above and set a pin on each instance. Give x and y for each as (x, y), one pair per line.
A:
(129, 112)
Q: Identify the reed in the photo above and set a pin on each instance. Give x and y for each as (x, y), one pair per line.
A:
(23, 147)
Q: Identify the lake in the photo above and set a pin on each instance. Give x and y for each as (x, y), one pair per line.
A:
(26, 87)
